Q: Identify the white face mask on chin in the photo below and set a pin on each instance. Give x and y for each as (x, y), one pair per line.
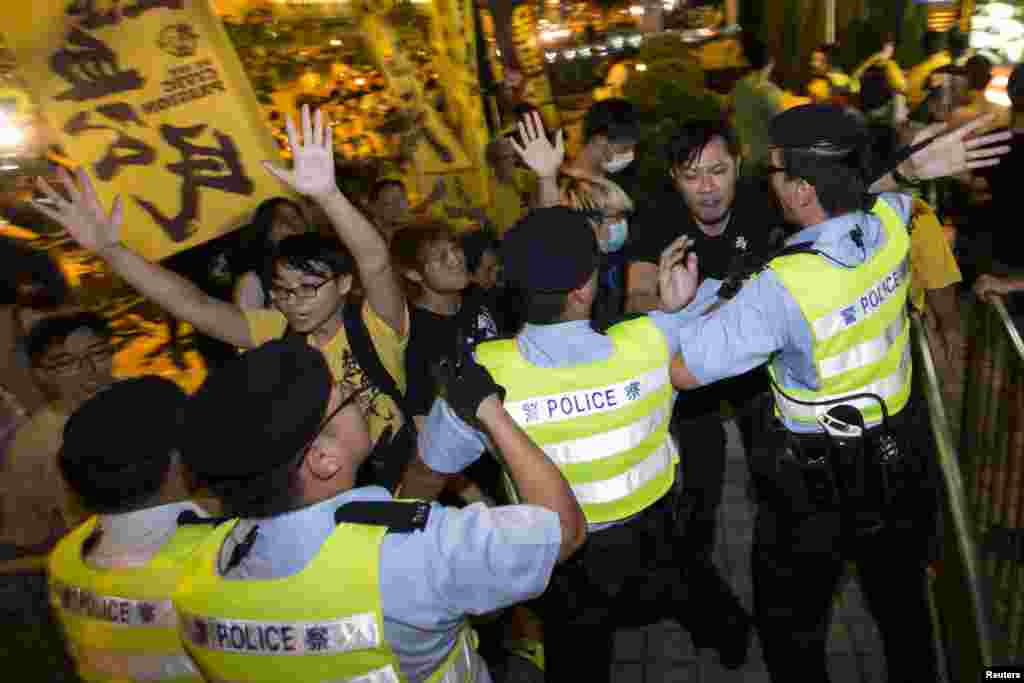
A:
(619, 162)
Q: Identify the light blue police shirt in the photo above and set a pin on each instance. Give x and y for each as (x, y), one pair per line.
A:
(764, 323)
(466, 561)
(449, 445)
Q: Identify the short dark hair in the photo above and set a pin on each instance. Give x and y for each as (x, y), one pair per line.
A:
(755, 50)
(54, 330)
(475, 244)
(544, 308)
(377, 189)
(136, 486)
(409, 246)
(875, 90)
(614, 118)
(309, 253)
(689, 140)
(934, 41)
(839, 183)
(268, 494)
(979, 72)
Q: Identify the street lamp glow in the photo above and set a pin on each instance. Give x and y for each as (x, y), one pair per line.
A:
(636, 10)
(10, 136)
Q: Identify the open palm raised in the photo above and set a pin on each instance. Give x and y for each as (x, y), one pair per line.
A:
(312, 172)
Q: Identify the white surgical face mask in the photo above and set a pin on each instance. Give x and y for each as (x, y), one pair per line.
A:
(619, 162)
(617, 234)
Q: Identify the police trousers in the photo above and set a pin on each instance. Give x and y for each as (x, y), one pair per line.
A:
(802, 543)
(627, 576)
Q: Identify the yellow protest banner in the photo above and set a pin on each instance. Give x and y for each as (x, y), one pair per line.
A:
(531, 61)
(150, 96)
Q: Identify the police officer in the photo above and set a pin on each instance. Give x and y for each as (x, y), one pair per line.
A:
(319, 580)
(112, 577)
(848, 474)
(599, 404)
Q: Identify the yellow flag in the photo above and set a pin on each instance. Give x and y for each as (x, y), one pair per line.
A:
(150, 96)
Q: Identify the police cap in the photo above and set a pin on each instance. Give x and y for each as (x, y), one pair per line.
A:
(822, 129)
(128, 428)
(257, 412)
(550, 250)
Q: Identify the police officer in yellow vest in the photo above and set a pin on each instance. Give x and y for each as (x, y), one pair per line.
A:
(849, 472)
(111, 578)
(599, 404)
(319, 581)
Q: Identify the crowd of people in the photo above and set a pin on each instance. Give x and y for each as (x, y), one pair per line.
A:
(421, 435)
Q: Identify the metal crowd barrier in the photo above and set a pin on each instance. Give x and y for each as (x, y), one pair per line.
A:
(988, 503)
(959, 604)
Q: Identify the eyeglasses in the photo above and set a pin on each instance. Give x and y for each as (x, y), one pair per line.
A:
(300, 293)
(69, 363)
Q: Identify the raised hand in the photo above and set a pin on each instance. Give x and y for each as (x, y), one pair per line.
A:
(541, 156)
(312, 171)
(678, 277)
(83, 216)
(956, 151)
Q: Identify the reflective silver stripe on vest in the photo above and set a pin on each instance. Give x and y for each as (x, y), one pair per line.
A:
(96, 662)
(465, 668)
(112, 609)
(605, 444)
(620, 486)
(865, 353)
(539, 410)
(885, 387)
(358, 632)
(866, 305)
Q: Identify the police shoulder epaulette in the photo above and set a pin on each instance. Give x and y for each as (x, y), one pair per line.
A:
(190, 517)
(398, 516)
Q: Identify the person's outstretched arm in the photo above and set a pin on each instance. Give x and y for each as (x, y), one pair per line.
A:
(99, 232)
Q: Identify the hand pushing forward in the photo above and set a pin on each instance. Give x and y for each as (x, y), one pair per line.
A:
(678, 277)
(955, 152)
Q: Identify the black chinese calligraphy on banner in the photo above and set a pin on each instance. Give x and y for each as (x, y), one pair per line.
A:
(151, 98)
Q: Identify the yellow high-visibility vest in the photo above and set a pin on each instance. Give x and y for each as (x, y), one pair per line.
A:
(605, 424)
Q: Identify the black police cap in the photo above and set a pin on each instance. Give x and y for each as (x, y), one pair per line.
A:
(550, 250)
(257, 412)
(132, 421)
(822, 129)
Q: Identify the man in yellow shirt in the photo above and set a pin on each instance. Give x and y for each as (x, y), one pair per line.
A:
(311, 280)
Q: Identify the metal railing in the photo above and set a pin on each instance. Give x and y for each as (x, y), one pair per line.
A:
(992, 461)
(958, 601)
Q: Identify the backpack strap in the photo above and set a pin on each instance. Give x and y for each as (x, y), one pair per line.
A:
(366, 355)
(401, 517)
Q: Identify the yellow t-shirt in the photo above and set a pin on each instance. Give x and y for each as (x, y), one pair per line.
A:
(381, 412)
(932, 265)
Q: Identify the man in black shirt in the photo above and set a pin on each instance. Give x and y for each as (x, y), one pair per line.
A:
(730, 217)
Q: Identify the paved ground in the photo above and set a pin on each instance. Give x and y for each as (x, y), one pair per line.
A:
(663, 653)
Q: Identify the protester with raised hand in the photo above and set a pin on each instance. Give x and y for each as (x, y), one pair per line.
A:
(311, 280)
